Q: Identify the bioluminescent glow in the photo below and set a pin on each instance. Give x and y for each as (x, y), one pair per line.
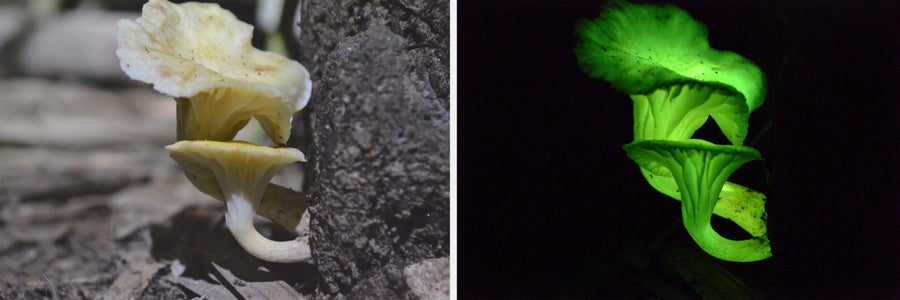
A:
(660, 56)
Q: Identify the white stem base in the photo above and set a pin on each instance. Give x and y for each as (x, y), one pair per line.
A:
(239, 220)
(292, 251)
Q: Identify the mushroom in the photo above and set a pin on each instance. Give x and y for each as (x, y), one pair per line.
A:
(201, 55)
(282, 205)
(243, 171)
(700, 170)
(661, 57)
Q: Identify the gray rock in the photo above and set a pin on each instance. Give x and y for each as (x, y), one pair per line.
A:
(78, 44)
(12, 20)
(381, 155)
(429, 279)
(38, 112)
(12, 23)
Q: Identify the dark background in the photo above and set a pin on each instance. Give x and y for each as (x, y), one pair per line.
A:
(550, 206)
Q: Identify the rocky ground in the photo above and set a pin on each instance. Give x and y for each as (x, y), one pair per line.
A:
(91, 206)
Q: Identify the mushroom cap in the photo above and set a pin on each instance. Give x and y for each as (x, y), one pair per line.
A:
(649, 154)
(219, 114)
(239, 167)
(195, 156)
(243, 171)
(700, 169)
(185, 49)
(675, 112)
(639, 48)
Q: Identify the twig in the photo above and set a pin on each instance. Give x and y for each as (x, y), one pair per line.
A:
(52, 287)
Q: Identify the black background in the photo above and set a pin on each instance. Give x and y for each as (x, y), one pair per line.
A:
(548, 201)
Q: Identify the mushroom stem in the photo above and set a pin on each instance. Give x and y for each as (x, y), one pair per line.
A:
(742, 205)
(696, 213)
(239, 220)
(241, 173)
(280, 204)
(700, 170)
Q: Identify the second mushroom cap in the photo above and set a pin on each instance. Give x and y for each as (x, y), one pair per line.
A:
(243, 171)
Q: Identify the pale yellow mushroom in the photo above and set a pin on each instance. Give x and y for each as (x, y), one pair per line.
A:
(242, 171)
(282, 205)
(201, 55)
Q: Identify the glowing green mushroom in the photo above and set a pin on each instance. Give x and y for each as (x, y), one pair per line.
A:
(700, 170)
(661, 57)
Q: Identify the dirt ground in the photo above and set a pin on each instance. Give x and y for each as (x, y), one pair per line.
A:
(91, 206)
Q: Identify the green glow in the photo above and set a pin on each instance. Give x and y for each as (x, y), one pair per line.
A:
(743, 206)
(660, 56)
(639, 48)
(700, 170)
(675, 112)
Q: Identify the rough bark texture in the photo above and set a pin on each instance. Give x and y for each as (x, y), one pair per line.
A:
(381, 154)
(425, 24)
(380, 160)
